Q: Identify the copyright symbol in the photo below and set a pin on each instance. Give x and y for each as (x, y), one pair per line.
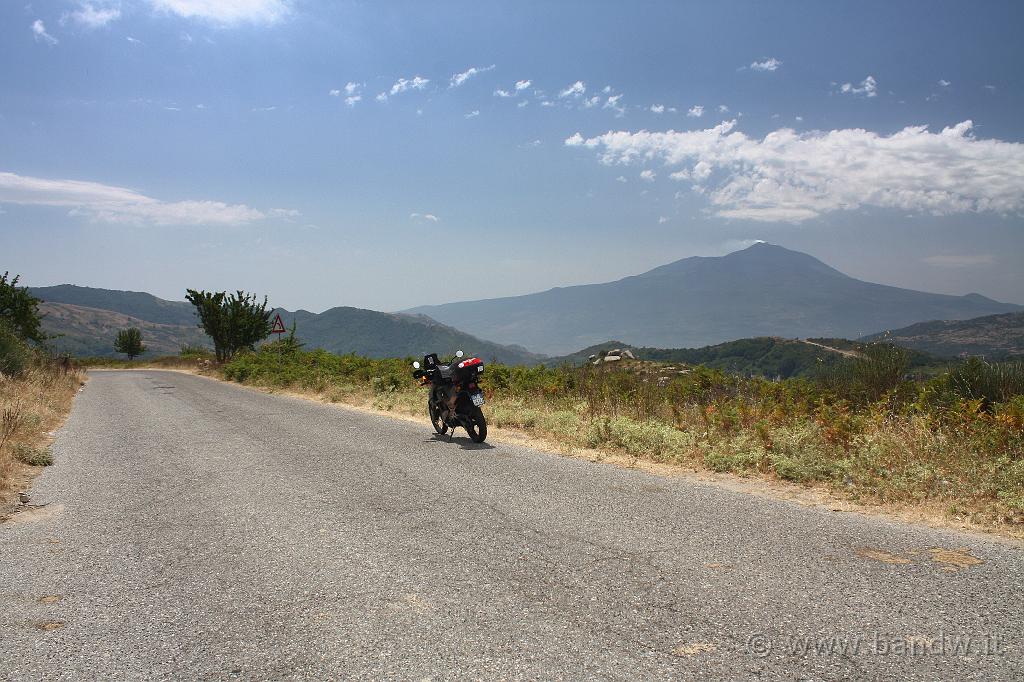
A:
(759, 645)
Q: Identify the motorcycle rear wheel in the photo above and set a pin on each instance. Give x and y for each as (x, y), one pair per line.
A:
(477, 426)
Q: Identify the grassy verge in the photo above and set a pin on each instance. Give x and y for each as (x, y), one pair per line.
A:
(33, 403)
(952, 444)
(160, 362)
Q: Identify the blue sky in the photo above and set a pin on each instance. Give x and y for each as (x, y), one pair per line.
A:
(164, 144)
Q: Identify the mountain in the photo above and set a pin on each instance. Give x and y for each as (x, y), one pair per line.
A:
(764, 290)
(994, 336)
(88, 319)
(135, 304)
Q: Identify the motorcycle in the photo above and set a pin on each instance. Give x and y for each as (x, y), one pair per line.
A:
(455, 396)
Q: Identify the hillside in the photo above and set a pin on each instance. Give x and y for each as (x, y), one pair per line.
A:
(994, 336)
(87, 320)
(765, 356)
(381, 335)
(87, 331)
(761, 291)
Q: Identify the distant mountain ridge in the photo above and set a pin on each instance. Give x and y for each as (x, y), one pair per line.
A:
(87, 319)
(762, 291)
(994, 336)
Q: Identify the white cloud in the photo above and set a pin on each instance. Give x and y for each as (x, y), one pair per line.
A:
(960, 261)
(722, 109)
(696, 111)
(459, 78)
(770, 64)
(503, 93)
(944, 83)
(90, 16)
(789, 176)
(106, 203)
(226, 11)
(990, 88)
(613, 103)
(662, 220)
(592, 102)
(523, 103)
(523, 85)
(133, 41)
(867, 87)
(403, 85)
(424, 216)
(473, 114)
(648, 175)
(39, 31)
(621, 178)
(575, 90)
(351, 92)
(658, 108)
(547, 103)
(382, 97)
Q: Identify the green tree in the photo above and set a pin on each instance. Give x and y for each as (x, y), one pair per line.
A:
(20, 310)
(234, 321)
(129, 342)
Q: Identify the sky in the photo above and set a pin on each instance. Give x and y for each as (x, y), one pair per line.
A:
(391, 154)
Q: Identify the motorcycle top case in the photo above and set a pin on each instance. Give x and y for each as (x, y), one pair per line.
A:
(468, 369)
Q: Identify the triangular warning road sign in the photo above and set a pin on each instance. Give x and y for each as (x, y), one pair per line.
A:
(278, 327)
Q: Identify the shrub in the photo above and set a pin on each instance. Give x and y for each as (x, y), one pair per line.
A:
(990, 383)
(19, 310)
(188, 352)
(27, 454)
(15, 355)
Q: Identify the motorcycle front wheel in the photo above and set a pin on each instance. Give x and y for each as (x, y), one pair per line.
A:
(477, 426)
(435, 418)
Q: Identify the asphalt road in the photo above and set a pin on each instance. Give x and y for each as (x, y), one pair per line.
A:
(193, 529)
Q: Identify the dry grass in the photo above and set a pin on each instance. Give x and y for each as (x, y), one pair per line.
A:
(31, 407)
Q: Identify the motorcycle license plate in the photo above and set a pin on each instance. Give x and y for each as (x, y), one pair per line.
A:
(477, 398)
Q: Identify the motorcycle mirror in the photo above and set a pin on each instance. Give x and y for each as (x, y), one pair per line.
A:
(416, 365)
(459, 353)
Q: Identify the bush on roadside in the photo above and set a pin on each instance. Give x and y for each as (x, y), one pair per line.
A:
(15, 354)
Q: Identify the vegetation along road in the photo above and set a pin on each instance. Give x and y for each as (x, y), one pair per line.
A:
(192, 528)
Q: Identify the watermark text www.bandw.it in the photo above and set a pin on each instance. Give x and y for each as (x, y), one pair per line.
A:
(878, 644)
